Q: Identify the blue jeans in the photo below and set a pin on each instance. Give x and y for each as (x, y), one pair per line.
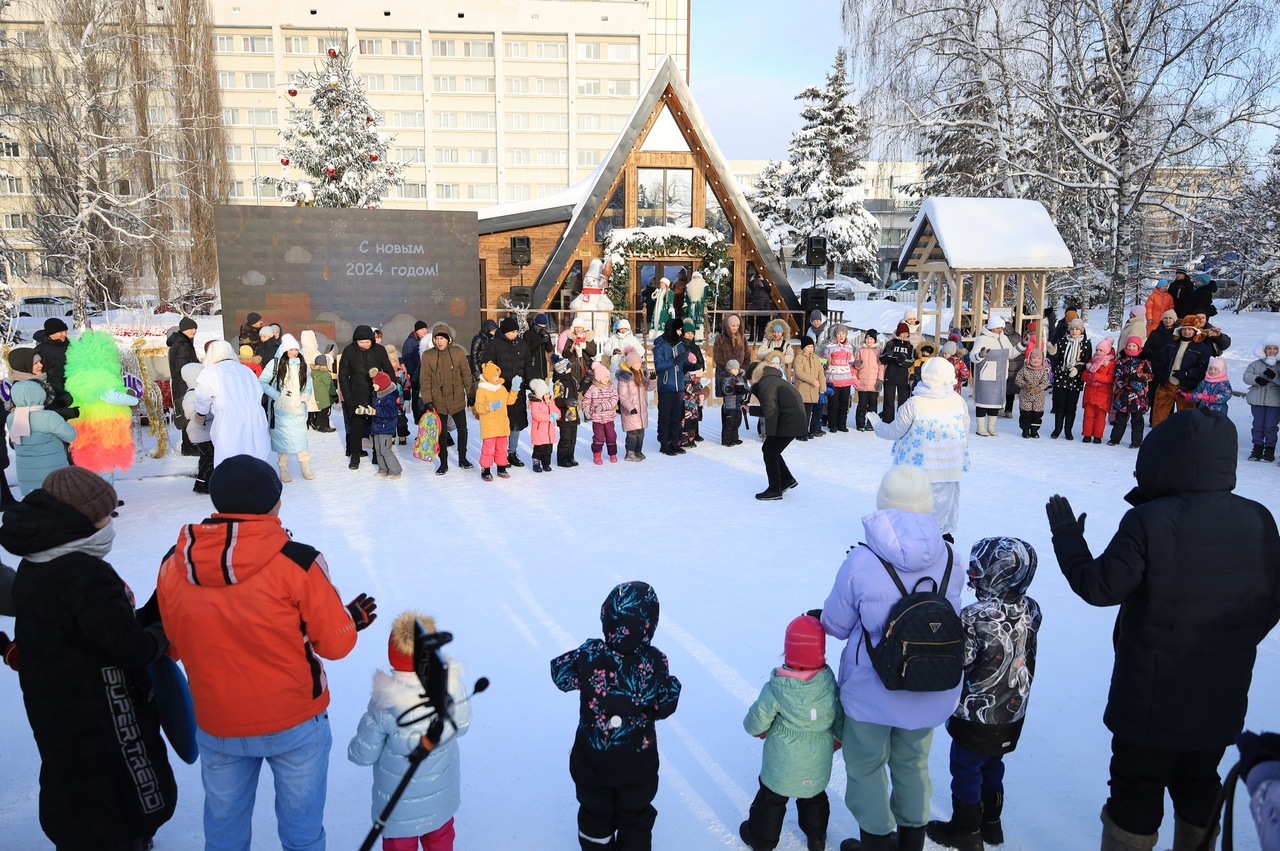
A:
(973, 774)
(299, 760)
(1265, 421)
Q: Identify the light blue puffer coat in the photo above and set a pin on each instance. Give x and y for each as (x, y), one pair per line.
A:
(45, 449)
(291, 403)
(435, 792)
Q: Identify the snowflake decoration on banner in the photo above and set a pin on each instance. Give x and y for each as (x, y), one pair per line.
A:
(338, 229)
(437, 295)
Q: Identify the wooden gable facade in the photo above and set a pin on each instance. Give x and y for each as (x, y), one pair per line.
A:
(667, 145)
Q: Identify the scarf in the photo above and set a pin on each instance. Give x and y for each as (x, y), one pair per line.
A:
(22, 422)
(1099, 361)
(97, 545)
(1072, 353)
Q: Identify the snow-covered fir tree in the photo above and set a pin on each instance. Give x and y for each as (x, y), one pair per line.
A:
(1243, 235)
(823, 183)
(769, 203)
(334, 145)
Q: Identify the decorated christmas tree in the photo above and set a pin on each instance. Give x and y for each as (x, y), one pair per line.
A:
(334, 146)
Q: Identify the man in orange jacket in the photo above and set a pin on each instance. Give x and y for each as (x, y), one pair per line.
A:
(251, 612)
(1158, 302)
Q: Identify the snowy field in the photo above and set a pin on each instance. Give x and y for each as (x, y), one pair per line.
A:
(517, 569)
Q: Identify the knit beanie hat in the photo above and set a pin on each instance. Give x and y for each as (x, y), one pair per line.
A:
(244, 484)
(949, 348)
(54, 325)
(23, 360)
(506, 326)
(400, 642)
(688, 327)
(805, 647)
(419, 325)
(1070, 314)
(995, 321)
(871, 334)
(186, 323)
(322, 360)
(88, 493)
(599, 372)
(560, 364)
(441, 331)
(906, 489)
(1133, 341)
(541, 320)
(732, 364)
(938, 373)
(266, 332)
(1075, 323)
(1219, 364)
(1169, 314)
(381, 381)
(816, 315)
(1106, 346)
(1162, 284)
(538, 388)
(253, 318)
(246, 351)
(805, 342)
(902, 328)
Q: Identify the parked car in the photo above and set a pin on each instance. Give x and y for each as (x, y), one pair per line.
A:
(906, 287)
(45, 306)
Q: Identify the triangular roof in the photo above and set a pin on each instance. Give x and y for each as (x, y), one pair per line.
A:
(666, 88)
(984, 234)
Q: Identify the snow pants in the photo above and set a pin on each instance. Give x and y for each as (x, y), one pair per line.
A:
(1095, 420)
(1030, 420)
(493, 448)
(769, 809)
(1266, 421)
(542, 453)
(440, 839)
(635, 440)
(615, 797)
(385, 454)
(1166, 399)
(816, 416)
(568, 440)
(670, 410)
(838, 409)
(731, 421)
(204, 467)
(1139, 777)
(974, 775)
(1064, 409)
(896, 394)
(868, 750)
(602, 435)
(1122, 420)
(867, 401)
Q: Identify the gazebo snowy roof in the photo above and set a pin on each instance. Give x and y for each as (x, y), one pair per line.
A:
(983, 234)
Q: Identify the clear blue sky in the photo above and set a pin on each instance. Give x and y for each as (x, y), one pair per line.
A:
(749, 60)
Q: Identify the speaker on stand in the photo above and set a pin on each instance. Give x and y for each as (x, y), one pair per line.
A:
(521, 256)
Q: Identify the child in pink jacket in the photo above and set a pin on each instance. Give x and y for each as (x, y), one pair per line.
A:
(600, 407)
(543, 414)
(869, 375)
(633, 402)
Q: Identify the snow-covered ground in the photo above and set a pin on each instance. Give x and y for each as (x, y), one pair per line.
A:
(517, 570)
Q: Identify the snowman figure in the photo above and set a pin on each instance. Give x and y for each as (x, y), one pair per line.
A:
(593, 302)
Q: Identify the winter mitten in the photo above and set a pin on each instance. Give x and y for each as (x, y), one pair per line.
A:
(362, 611)
(873, 419)
(1062, 519)
(815, 613)
(554, 416)
(493, 406)
(1074, 372)
(633, 412)
(1269, 373)
(516, 382)
(879, 386)
(692, 358)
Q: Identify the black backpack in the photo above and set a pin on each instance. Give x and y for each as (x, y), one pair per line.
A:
(922, 648)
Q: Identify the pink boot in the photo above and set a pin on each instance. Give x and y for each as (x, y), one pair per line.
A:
(613, 458)
(595, 456)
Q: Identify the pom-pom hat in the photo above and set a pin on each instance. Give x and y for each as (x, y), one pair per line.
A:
(805, 647)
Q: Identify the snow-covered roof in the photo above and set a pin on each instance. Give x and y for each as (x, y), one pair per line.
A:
(557, 207)
(984, 234)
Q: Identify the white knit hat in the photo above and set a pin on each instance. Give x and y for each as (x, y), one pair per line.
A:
(938, 372)
(996, 321)
(906, 489)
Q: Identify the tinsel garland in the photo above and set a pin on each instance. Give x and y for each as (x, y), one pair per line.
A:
(152, 398)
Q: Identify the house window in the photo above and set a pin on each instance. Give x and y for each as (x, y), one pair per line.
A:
(409, 120)
(481, 121)
(588, 87)
(374, 82)
(518, 156)
(516, 120)
(588, 122)
(370, 47)
(553, 122)
(446, 156)
(588, 50)
(235, 189)
(331, 43)
(256, 44)
(407, 84)
(224, 43)
(416, 191)
(259, 81)
(20, 263)
(616, 123)
(517, 192)
(445, 120)
(664, 196)
(715, 218)
(589, 158)
(444, 84)
(623, 88)
(406, 47)
(551, 50)
(623, 52)
(482, 156)
(155, 115)
(551, 86)
(553, 158)
(517, 86)
(295, 44)
(235, 154)
(482, 192)
(545, 189)
(516, 49)
(409, 156)
(265, 153)
(477, 85)
(10, 149)
(442, 47)
(262, 117)
(448, 191)
(10, 185)
(478, 49)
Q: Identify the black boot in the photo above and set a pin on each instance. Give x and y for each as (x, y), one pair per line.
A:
(873, 842)
(444, 465)
(992, 806)
(1137, 434)
(513, 460)
(912, 839)
(964, 829)
(1268, 454)
(1256, 454)
(1057, 426)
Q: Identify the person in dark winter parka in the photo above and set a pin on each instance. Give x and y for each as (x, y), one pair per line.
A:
(624, 686)
(1193, 609)
(511, 353)
(182, 351)
(782, 420)
(51, 346)
(360, 361)
(105, 780)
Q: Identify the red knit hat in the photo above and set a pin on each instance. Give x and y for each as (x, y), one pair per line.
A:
(902, 328)
(806, 644)
(400, 660)
(381, 381)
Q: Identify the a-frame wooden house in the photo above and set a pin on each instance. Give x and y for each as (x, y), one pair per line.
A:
(662, 203)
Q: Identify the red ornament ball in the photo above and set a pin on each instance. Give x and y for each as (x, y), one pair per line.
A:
(368, 119)
(333, 53)
(284, 161)
(331, 171)
(373, 158)
(293, 93)
(373, 206)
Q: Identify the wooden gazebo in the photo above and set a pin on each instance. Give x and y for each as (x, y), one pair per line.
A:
(975, 255)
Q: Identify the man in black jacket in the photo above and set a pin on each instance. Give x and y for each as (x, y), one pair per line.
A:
(897, 358)
(782, 420)
(182, 351)
(541, 346)
(51, 346)
(1193, 609)
(356, 383)
(511, 354)
(411, 357)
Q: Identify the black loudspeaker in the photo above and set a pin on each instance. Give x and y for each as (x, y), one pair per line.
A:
(521, 252)
(811, 299)
(815, 251)
(522, 295)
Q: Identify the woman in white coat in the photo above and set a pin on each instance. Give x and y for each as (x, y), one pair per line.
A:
(990, 366)
(615, 347)
(230, 392)
(287, 382)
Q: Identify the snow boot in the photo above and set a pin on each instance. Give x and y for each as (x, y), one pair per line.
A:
(912, 838)
(1115, 839)
(485, 475)
(1256, 454)
(354, 463)
(596, 459)
(304, 461)
(964, 829)
(744, 833)
(1035, 433)
(631, 456)
(980, 426)
(767, 495)
(992, 806)
(1187, 837)
(513, 460)
(502, 472)
(284, 468)
(1268, 454)
(1026, 433)
(613, 458)
(872, 842)
(991, 427)
(537, 466)
(464, 464)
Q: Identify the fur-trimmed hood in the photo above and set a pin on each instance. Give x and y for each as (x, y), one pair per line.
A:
(400, 690)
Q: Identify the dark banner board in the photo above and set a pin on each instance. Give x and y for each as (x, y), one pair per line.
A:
(330, 270)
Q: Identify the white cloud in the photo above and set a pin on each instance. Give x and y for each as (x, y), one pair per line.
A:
(297, 254)
(253, 278)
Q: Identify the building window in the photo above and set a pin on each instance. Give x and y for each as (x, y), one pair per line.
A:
(265, 153)
(326, 44)
(518, 156)
(612, 215)
(10, 149)
(235, 189)
(589, 158)
(714, 216)
(481, 121)
(482, 192)
(477, 85)
(478, 49)
(516, 49)
(262, 117)
(545, 189)
(482, 156)
(442, 47)
(551, 85)
(588, 122)
(588, 50)
(296, 44)
(553, 158)
(268, 190)
(417, 191)
(518, 192)
(516, 120)
(10, 185)
(224, 43)
(551, 50)
(553, 122)
(623, 88)
(588, 87)
(447, 191)
(517, 86)
(374, 82)
(446, 156)
(616, 123)
(260, 81)
(409, 156)
(444, 84)
(19, 263)
(409, 120)
(257, 44)
(408, 84)
(406, 47)
(235, 154)
(226, 79)
(664, 197)
(623, 52)
(155, 115)
(370, 47)
(445, 120)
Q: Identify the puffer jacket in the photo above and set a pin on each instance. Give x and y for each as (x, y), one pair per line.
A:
(252, 612)
(435, 793)
(1130, 384)
(632, 397)
(896, 357)
(354, 377)
(488, 329)
(1032, 384)
(1263, 389)
(809, 378)
(989, 363)
(1193, 607)
(600, 403)
(514, 359)
(867, 367)
(801, 714)
(999, 649)
(53, 354)
(1191, 368)
(623, 676)
(45, 449)
(292, 401)
(1213, 395)
(840, 358)
(770, 345)
(493, 423)
(565, 391)
(443, 378)
(863, 595)
(781, 411)
(1157, 303)
(182, 351)
(322, 384)
(387, 408)
(669, 359)
(1067, 358)
(1098, 382)
(542, 429)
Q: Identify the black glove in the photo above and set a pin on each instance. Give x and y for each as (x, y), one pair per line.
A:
(815, 613)
(430, 406)
(1269, 373)
(1062, 520)
(633, 412)
(362, 611)
(1260, 381)
(1254, 748)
